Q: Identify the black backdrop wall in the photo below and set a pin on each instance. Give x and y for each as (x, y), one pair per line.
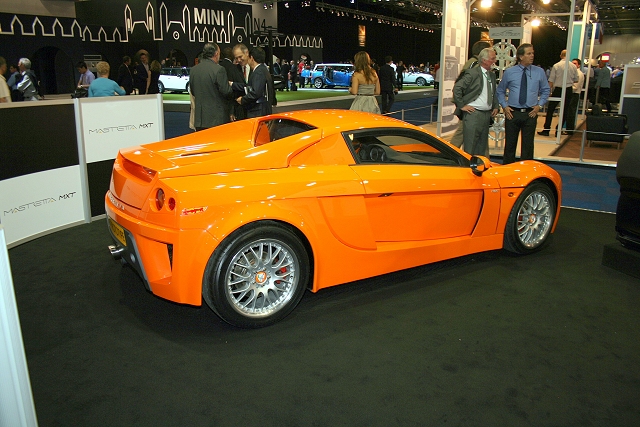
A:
(54, 56)
(340, 36)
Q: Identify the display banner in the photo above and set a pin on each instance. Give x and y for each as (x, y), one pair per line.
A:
(108, 124)
(453, 55)
(41, 202)
(505, 33)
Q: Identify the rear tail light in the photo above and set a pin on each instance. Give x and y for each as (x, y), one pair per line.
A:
(161, 198)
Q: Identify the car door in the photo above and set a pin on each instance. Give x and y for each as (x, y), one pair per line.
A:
(417, 187)
(328, 75)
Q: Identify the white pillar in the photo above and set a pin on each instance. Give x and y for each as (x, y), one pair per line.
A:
(16, 401)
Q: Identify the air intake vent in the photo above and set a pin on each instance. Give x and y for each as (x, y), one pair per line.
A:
(138, 171)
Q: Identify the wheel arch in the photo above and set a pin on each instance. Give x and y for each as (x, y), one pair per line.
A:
(529, 226)
(296, 231)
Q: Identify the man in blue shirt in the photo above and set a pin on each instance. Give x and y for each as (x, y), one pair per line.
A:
(528, 92)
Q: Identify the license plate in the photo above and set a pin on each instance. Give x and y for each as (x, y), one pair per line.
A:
(118, 232)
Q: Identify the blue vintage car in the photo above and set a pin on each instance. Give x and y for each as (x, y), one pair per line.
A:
(329, 75)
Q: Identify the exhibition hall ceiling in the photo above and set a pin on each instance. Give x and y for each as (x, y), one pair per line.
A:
(617, 16)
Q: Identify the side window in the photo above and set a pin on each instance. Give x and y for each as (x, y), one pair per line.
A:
(403, 147)
(272, 130)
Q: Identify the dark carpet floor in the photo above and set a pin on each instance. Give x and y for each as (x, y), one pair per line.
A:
(549, 339)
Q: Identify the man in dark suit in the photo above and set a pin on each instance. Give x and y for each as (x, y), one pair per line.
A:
(285, 74)
(141, 72)
(476, 102)
(259, 91)
(241, 55)
(210, 89)
(125, 76)
(236, 112)
(388, 89)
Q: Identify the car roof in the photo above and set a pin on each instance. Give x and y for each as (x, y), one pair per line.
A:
(335, 121)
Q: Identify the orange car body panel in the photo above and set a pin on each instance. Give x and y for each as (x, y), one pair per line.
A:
(360, 220)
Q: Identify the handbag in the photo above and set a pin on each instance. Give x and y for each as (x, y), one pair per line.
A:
(80, 93)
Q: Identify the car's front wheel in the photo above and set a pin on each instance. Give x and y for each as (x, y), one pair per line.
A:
(421, 81)
(531, 219)
(318, 83)
(257, 276)
(160, 87)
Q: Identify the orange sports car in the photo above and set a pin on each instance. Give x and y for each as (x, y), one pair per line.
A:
(250, 214)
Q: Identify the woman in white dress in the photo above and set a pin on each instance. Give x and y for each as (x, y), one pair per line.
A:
(364, 85)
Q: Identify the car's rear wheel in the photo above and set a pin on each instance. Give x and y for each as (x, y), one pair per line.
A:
(188, 88)
(421, 81)
(160, 87)
(318, 83)
(529, 224)
(257, 276)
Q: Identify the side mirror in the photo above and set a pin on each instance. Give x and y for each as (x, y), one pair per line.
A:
(479, 164)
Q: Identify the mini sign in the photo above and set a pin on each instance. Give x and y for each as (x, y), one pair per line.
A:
(505, 33)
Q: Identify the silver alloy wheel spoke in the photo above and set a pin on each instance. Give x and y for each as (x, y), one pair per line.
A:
(534, 219)
(262, 278)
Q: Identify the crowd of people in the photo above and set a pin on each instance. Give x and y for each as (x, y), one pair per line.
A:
(22, 84)
(139, 78)
(235, 87)
(227, 86)
(236, 83)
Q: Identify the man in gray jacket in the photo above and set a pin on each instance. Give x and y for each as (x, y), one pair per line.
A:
(476, 103)
(27, 83)
(210, 89)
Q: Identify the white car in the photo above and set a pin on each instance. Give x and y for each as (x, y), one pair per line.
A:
(174, 79)
(420, 79)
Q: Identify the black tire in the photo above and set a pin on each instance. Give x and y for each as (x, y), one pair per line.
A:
(531, 219)
(421, 81)
(318, 83)
(188, 88)
(160, 87)
(243, 279)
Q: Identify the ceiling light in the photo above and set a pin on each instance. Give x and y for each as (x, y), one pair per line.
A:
(485, 3)
(535, 22)
(546, 1)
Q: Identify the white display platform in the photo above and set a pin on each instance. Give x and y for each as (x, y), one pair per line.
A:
(16, 400)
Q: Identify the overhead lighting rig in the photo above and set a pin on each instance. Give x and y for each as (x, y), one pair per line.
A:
(536, 9)
(373, 17)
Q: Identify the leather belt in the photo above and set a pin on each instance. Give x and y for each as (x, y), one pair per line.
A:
(521, 110)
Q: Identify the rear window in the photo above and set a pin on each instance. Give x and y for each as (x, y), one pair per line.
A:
(272, 130)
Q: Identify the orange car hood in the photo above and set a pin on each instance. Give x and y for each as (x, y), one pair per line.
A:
(227, 148)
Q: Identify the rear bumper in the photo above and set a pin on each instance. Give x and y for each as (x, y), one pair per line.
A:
(170, 261)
